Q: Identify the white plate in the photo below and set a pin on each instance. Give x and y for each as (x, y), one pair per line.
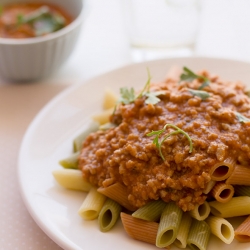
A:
(49, 139)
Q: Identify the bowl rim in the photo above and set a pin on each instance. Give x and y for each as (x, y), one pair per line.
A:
(33, 40)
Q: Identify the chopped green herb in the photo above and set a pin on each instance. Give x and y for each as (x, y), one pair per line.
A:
(200, 93)
(152, 97)
(189, 76)
(147, 86)
(128, 95)
(43, 20)
(242, 118)
(177, 130)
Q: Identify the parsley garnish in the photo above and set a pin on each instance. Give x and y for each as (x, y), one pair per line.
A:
(242, 118)
(189, 76)
(200, 93)
(159, 142)
(128, 96)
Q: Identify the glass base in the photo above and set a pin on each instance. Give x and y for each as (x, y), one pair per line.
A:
(142, 54)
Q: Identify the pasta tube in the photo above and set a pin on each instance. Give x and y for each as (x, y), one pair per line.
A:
(71, 161)
(77, 142)
(108, 215)
(138, 229)
(103, 117)
(200, 212)
(237, 206)
(110, 99)
(240, 176)
(118, 193)
(151, 211)
(222, 192)
(209, 186)
(199, 235)
(181, 238)
(242, 233)
(221, 228)
(222, 170)
(169, 225)
(71, 179)
(92, 205)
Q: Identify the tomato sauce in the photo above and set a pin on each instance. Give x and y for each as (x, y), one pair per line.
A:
(27, 20)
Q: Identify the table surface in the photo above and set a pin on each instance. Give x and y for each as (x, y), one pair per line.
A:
(103, 46)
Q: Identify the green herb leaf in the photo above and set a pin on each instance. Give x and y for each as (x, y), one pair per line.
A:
(242, 118)
(152, 97)
(176, 131)
(200, 93)
(146, 87)
(127, 96)
(189, 76)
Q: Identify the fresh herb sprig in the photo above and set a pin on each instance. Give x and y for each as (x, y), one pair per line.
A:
(128, 96)
(158, 142)
(189, 76)
(200, 93)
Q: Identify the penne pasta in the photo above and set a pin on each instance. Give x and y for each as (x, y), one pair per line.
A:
(92, 205)
(222, 192)
(118, 193)
(138, 229)
(71, 179)
(209, 186)
(77, 142)
(71, 161)
(181, 238)
(237, 206)
(199, 235)
(240, 176)
(151, 211)
(242, 233)
(200, 212)
(222, 170)
(110, 99)
(103, 117)
(221, 228)
(169, 225)
(109, 215)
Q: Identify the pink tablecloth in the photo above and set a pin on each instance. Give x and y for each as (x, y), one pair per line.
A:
(18, 105)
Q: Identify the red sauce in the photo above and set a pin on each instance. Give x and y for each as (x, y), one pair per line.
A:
(127, 155)
(26, 20)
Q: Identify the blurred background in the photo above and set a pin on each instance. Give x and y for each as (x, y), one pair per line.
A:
(115, 33)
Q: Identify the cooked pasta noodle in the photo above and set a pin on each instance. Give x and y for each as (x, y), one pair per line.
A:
(242, 233)
(237, 206)
(118, 193)
(199, 235)
(222, 192)
(108, 215)
(71, 161)
(182, 234)
(200, 212)
(110, 99)
(209, 186)
(92, 205)
(71, 179)
(151, 211)
(240, 176)
(169, 225)
(222, 170)
(221, 228)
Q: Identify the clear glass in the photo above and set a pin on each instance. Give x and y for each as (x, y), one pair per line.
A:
(159, 28)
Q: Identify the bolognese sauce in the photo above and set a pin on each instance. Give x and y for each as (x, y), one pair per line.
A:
(125, 153)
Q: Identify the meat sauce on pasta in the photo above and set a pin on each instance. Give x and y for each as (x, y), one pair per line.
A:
(217, 125)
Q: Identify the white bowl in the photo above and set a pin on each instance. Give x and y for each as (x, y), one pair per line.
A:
(32, 58)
